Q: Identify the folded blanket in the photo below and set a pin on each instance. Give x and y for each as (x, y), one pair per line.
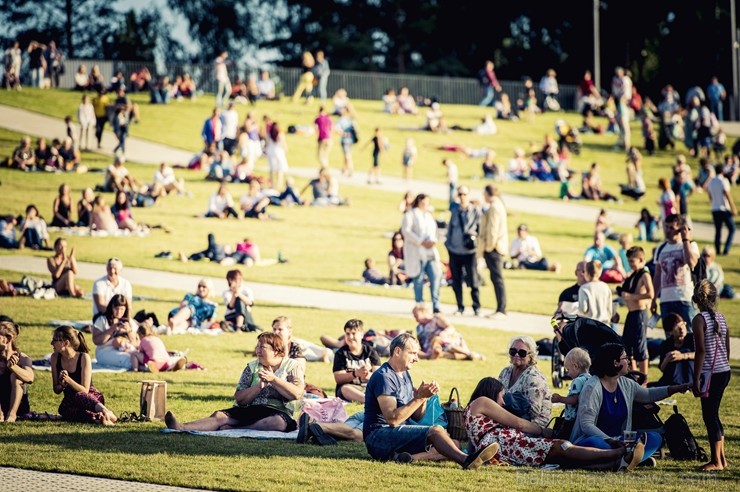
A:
(254, 434)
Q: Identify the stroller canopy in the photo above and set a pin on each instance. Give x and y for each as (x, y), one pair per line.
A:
(587, 334)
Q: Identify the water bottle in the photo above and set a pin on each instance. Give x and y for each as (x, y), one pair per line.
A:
(453, 404)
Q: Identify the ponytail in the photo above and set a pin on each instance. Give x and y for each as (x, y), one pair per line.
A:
(82, 344)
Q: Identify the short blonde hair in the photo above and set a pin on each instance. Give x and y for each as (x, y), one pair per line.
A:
(579, 358)
(531, 347)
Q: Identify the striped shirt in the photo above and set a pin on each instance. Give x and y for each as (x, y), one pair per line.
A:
(711, 344)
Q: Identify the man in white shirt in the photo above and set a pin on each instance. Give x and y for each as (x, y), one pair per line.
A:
(526, 250)
(109, 285)
(723, 209)
(266, 86)
(222, 78)
(230, 119)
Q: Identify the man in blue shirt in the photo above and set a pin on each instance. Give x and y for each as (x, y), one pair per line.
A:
(608, 257)
(716, 94)
(391, 400)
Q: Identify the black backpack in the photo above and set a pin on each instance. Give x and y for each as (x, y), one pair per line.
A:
(679, 439)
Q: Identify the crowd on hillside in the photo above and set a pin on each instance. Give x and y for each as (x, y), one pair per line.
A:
(506, 418)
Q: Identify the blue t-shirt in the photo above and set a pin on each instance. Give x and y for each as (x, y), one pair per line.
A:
(613, 412)
(385, 381)
(605, 255)
(575, 389)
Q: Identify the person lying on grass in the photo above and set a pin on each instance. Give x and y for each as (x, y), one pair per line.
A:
(265, 397)
(15, 374)
(71, 374)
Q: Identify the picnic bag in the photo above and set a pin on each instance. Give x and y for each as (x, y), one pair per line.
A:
(454, 414)
(679, 439)
(434, 414)
(153, 399)
(328, 410)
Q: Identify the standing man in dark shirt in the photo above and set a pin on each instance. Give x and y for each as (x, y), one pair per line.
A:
(489, 84)
(461, 244)
(36, 63)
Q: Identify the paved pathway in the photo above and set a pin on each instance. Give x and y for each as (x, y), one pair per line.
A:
(139, 150)
(534, 324)
(28, 480)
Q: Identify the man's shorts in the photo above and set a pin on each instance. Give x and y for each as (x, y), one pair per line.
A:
(385, 441)
(634, 336)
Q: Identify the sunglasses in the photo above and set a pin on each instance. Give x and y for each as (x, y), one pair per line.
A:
(521, 352)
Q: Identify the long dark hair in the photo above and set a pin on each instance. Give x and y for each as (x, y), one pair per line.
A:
(488, 387)
(417, 201)
(606, 356)
(115, 301)
(75, 338)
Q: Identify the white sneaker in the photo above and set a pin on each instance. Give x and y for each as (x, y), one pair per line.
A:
(496, 315)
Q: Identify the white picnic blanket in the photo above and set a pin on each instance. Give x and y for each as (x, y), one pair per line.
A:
(253, 434)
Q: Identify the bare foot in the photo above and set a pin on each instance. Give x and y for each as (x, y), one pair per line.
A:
(712, 467)
(11, 418)
(171, 421)
(179, 364)
(2, 417)
(152, 366)
(109, 416)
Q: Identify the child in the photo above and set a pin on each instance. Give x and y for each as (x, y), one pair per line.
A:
(354, 363)
(638, 292)
(152, 353)
(239, 300)
(595, 297)
(372, 275)
(409, 158)
(377, 142)
(577, 362)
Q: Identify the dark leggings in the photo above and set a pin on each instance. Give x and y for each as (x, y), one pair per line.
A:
(710, 406)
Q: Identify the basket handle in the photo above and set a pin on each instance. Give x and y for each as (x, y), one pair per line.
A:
(454, 391)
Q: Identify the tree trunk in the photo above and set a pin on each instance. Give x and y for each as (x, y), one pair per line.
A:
(68, 26)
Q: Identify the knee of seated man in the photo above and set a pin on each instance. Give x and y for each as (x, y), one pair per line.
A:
(437, 431)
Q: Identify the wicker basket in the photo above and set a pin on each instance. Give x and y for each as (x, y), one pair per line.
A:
(455, 421)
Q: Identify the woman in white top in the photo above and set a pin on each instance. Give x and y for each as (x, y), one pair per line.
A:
(115, 334)
(421, 258)
(279, 163)
(86, 117)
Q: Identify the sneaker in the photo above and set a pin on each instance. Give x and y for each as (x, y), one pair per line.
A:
(402, 457)
(648, 463)
(476, 460)
(476, 312)
(304, 433)
(321, 437)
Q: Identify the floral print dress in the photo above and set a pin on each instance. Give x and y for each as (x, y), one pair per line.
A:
(533, 385)
(515, 447)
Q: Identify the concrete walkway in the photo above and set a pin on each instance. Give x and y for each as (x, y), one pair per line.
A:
(27, 480)
(142, 151)
(532, 324)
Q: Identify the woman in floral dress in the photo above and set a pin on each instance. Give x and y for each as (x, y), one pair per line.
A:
(522, 377)
(523, 443)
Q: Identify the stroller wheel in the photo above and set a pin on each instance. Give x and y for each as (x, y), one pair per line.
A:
(557, 380)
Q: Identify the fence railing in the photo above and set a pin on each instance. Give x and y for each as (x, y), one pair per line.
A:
(359, 85)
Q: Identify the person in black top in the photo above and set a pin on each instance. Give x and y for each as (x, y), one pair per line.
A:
(354, 363)
(568, 300)
(676, 353)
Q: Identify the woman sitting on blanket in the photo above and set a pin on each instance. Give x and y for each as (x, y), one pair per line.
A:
(15, 374)
(114, 334)
(438, 338)
(487, 421)
(194, 309)
(71, 373)
(102, 217)
(265, 395)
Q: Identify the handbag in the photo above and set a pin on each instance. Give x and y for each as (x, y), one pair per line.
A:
(470, 241)
(153, 399)
(454, 414)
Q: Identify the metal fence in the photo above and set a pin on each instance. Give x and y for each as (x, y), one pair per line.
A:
(359, 85)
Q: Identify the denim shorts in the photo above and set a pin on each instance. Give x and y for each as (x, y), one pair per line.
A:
(356, 420)
(384, 441)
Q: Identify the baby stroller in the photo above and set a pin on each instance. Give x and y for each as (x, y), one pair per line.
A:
(585, 333)
(568, 136)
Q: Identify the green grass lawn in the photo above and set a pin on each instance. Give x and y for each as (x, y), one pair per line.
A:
(140, 452)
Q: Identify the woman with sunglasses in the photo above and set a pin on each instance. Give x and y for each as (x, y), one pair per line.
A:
(605, 403)
(396, 268)
(526, 386)
(15, 374)
(113, 330)
(71, 374)
(523, 443)
(194, 309)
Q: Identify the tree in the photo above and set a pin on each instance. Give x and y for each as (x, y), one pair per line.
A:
(143, 37)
